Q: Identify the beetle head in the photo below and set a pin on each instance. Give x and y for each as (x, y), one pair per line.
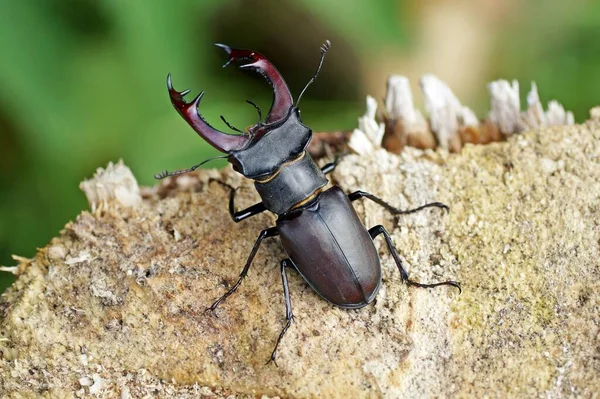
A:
(265, 146)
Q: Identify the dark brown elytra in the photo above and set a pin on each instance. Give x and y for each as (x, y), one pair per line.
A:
(324, 238)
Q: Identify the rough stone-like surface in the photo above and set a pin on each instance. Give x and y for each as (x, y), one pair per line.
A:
(114, 306)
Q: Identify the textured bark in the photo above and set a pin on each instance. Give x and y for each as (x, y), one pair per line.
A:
(115, 304)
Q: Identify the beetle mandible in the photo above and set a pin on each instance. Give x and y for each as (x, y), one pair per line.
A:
(325, 240)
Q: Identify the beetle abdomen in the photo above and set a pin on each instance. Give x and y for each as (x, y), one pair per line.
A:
(332, 250)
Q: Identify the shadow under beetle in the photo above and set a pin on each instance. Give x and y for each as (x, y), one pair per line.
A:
(320, 231)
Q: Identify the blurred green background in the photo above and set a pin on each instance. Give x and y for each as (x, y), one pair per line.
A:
(82, 82)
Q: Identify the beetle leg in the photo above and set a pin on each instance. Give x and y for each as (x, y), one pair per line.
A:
(245, 213)
(289, 316)
(330, 167)
(362, 194)
(270, 232)
(238, 216)
(379, 229)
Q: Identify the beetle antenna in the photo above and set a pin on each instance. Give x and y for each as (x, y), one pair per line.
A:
(257, 110)
(230, 126)
(164, 173)
(326, 46)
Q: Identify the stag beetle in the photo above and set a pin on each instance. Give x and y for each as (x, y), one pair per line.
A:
(325, 240)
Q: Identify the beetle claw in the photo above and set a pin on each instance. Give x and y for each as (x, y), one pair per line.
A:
(227, 50)
(212, 310)
(456, 284)
(283, 98)
(189, 111)
(224, 47)
(272, 359)
(445, 207)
